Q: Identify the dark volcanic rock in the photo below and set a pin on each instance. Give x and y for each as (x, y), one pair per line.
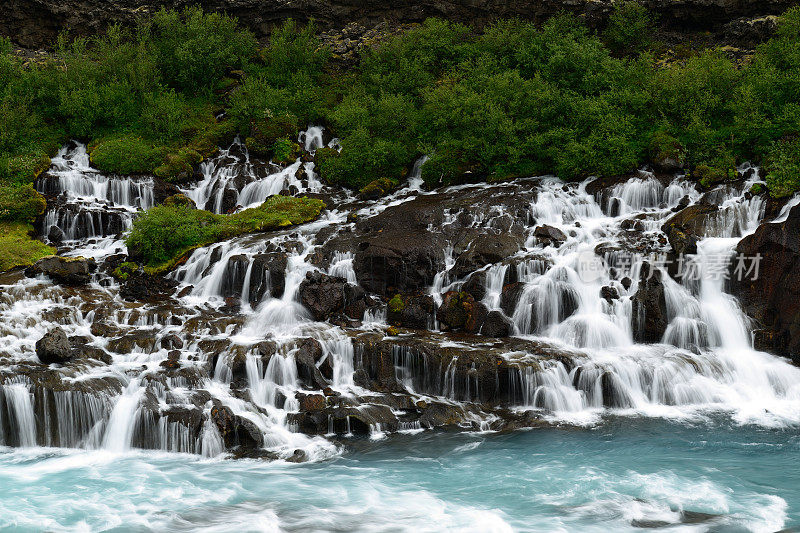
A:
(685, 227)
(487, 249)
(144, 288)
(37, 24)
(54, 347)
(550, 235)
(235, 430)
(460, 312)
(772, 297)
(649, 306)
(326, 295)
(268, 276)
(309, 351)
(63, 270)
(497, 325)
(414, 311)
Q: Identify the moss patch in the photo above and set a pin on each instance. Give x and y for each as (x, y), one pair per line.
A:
(164, 234)
(17, 248)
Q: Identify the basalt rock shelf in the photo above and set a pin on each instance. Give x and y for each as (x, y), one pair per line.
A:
(520, 304)
(36, 23)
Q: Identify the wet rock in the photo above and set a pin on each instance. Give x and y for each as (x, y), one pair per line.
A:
(649, 306)
(309, 351)
(233, 276)
(171, 342)
(54, 347)
(772, 295)
(609, 293)
(172, 362)
(326, 295)
(550, 235)
(509, 297)
(55, 235)
(235, 430)
(487, 249)
(497, 325)
(268, 276)
(311, 402)
(460, 312)
(63, 270)
(140, 287)
(685, 227)
(410, 311)
(476, 285)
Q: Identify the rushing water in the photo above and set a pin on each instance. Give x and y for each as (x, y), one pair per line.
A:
(620, 476)
(695, 430)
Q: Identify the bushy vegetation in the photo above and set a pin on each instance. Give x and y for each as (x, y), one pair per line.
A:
(163, 234)
(512, 100)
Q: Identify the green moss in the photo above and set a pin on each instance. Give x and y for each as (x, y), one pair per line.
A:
(179, 166)
(396, 304)
(125, 270)
(377, 188)
(757, 188)
(17, 248)
(22, 204)
(127, 154)
(164, 234)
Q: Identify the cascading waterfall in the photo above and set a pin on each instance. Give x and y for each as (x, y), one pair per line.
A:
(704, 361)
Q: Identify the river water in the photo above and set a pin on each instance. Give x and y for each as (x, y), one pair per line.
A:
(622, 475)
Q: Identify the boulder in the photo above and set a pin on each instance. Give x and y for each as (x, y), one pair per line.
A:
(649, 306)
(487, 249)
(460, 312)
(63, 270)
(309, 352)
(410, 311)
(326, 295)
(235, 430)
(497, 325)
(268, 276)
(54, 347)
(686, 226)
(550, 235)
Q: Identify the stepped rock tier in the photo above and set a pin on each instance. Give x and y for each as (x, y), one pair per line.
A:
(497, 306)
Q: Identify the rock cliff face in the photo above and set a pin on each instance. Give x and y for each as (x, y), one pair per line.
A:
(36, 23)
(773, 297)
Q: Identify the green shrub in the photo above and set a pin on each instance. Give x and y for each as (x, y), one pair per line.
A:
(630, 28)
(363, 158)
(129, 154)
(193, 49)
(285, 151)
(783, 168)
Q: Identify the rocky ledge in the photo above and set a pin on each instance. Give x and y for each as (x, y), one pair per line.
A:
(37, 23)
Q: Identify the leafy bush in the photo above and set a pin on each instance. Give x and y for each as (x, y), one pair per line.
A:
(783, 168)
(193, 49)
(629, 28)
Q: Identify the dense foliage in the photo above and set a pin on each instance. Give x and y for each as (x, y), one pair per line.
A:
(515, 99)
(164, 233)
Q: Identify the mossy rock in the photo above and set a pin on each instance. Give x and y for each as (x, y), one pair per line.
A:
(18, 248)
(396, 304)
(179, 167)
(377, 188)
(179, 200)
(125, 271)
(709, 176)
(20, 204)
(128, 154)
